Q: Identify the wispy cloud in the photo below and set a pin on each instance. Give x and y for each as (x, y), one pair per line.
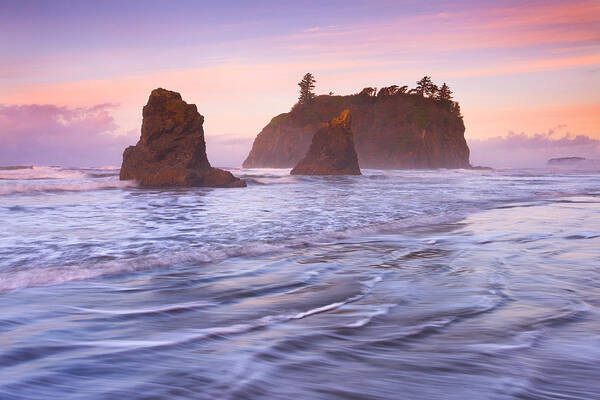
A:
(503, 26)
(528, 66)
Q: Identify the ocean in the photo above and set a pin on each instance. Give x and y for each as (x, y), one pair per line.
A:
(441, 284)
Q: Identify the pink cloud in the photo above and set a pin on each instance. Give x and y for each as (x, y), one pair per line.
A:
(517, 67)
(521, 150)
(488, 27)
(52, 135)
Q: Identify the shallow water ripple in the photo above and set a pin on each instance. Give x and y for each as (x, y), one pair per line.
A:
(403, 284)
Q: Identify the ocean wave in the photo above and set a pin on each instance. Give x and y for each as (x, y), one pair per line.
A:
(105, 168)
(38, 173)
(219, 331)
(15, 167)
(31, 276)
(342, 222)
(50, 275)
(102, 174)
(271, 180)
(378, 310)
(172, 308)
(44, 172)
(52, 187)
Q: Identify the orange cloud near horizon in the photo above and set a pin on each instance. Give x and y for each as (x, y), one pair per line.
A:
(242, 99)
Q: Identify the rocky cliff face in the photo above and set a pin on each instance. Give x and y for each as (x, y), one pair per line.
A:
(399, 131)
(331, 151)
(171, 150)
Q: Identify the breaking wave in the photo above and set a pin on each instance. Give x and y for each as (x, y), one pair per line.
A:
(40, 179)
(32, 275)
(51, 187)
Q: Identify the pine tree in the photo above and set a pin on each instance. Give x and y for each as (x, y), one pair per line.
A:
(432, 91)
(368, 92)
(424, 86)
(307, 85)
(388, 91)
(455, 109)
(444, 94)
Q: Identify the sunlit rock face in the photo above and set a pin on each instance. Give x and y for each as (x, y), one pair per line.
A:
(331, 151)
(171, 150)
(390, 132)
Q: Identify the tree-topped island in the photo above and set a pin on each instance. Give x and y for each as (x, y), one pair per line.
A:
(394, 127)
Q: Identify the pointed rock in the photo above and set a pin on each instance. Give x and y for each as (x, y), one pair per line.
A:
(171, 150)
(331, 151)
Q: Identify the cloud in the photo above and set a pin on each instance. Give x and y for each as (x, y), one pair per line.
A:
(51, 135)
(85, 136)
(520, 150)
(484, 28)
(538, 65)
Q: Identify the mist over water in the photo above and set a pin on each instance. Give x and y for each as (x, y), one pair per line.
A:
(446, 284)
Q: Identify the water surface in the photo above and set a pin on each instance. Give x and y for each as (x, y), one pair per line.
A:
(396, 284)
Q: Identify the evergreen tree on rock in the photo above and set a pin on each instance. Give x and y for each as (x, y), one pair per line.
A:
(307, 85)
(425, 86)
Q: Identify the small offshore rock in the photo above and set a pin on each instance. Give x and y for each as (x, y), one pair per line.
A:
(171, 150)
(331, 151)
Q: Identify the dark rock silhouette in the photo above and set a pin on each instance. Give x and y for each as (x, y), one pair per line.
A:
(331, 151)
(399, 131)
(566, 160)
(171, 150)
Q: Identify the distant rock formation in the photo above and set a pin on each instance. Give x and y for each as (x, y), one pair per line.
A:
(575, 163)
(395, 131)
(171, 150)
(566, 161)
(331, 151)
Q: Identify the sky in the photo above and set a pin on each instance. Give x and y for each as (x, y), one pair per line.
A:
(74, 75)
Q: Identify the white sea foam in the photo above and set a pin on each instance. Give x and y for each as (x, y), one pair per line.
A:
(144, 311)
(61, 186)
(35, 173)
(379, 310)
(273, 180)
(198, 227)
(205, 333)
(50, 275)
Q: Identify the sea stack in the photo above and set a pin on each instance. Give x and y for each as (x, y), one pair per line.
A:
(399, 131)
(171, 150)
(331, 151)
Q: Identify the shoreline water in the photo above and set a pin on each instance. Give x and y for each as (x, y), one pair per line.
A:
(494, 296)
(31, 183)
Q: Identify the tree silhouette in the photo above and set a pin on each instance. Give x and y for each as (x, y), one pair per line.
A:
(424, 86)
(432, 91)
(388, 91)
(455, 109)
(307, 84)
(368, 91)
(444, 94)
